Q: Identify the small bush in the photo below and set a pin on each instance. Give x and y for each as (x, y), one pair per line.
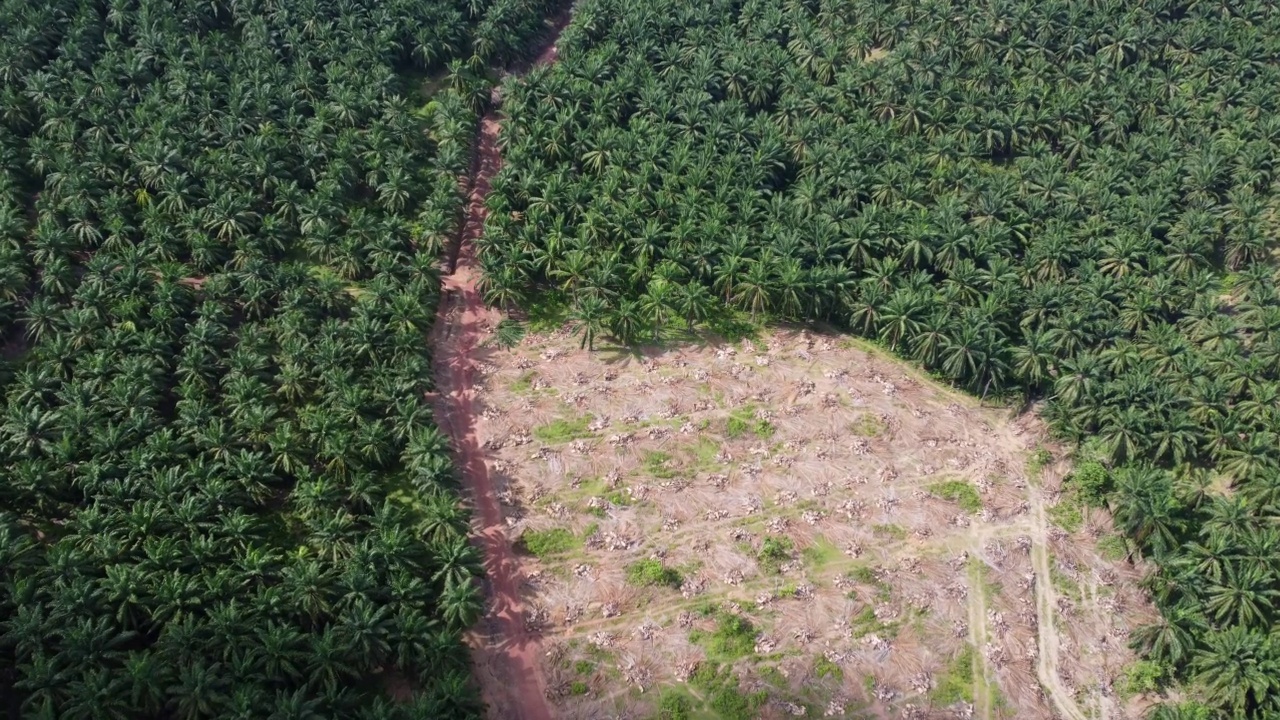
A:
(1141, 678)
(673, 705)
(544, 543)
(650, 573)
(774, 552)
(960, 493)
(1092, 482)
(725, 698)
(577, 687)
(734, 637)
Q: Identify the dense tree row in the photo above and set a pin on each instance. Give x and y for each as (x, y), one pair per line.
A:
(1076, 200)
(221, 490)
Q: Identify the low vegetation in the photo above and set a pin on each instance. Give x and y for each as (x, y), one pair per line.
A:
(546, 543)
(652, 573)
(959, 492)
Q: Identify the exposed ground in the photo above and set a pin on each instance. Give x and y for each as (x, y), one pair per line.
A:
(790, 526)
(888, 542)
(504, 647)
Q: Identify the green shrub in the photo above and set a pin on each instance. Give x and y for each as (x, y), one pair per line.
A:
(577, 687)
(650, 572)
(1092, 482)
(959, 492)
(774, 552)
(734, 637)
(673, 705)
(1142, 677)
(545, 543)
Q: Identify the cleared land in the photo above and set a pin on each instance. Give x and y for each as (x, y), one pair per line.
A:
(794, 522)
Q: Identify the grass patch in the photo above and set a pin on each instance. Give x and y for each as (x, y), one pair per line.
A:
(545, 543)
(674, 705)
(578, 687)
(956, 683)
(524, 383)
(564, 430)
(1113, 548)
(824, 668)
(868, 425)
(659, 464)
(1039, 460)
(734, 637)
(889, 530)
(821, 553)
(1066, 514)
(744, 420)
(866, 623)
(724, 698)
(774, 552)
(652, 573)
(959, 492)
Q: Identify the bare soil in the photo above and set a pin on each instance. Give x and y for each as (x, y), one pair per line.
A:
(844, 466)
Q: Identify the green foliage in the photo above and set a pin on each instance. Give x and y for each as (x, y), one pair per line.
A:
(824, 668)
(1039, 460)
(546, 312)
(508, 333)
(1112, 548)
(652, 573)
(1141, 677)
(524, 383)
(956, 682)
(564, 430)
(734, 637)
(546, 543)
(578, 687)
(1092, 482)
(821, 553)
(725, 698)
(674, 705)
(773, 553)
(659, 464)
(1066, 513)
(959, 492)
(744, 420)
(1114, 263)
(221, 225)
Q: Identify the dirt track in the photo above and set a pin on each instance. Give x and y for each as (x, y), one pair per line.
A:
(506, 651)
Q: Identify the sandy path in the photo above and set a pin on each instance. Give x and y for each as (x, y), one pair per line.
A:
(506, 651)
(1046, 606)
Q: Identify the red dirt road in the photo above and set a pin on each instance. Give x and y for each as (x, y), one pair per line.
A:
(507, 652)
